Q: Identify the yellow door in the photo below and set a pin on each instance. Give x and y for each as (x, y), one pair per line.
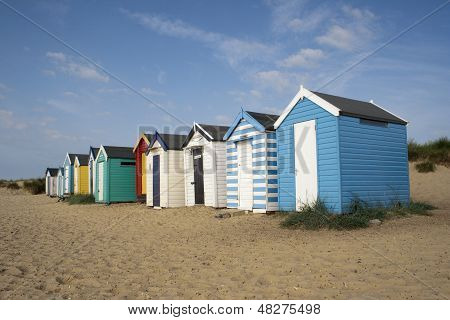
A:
(144, 173)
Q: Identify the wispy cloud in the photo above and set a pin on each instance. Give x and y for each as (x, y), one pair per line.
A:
(233, 50)
(61, 105)
(304, 58)
(152, 92)
(70, 65)
(9, 121)
(353, 30)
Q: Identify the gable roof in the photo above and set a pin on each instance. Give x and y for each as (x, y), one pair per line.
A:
(71, 157)
(341, 106)
(83, 159)
(261, 121)
(119, 152)
(146, 136)
(93, 151)
(168, 141)
(210, 132)
(53, 171)
(267, 120)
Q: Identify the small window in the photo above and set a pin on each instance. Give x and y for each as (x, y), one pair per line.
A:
(125, 163)
(373, 123)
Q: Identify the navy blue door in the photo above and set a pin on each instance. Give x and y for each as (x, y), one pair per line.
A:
(156, 183)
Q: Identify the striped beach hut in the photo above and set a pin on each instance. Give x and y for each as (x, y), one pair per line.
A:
(91, 168)
(60, 183)
(115, 175)
(165, 171)
(51, 181)
(81, 174)
(139, 150)
(205, 166)
(339, 149)
(68, 173)
(252, 162)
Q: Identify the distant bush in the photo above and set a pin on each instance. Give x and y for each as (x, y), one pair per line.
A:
(437, 151)
(81, 199)
(317, 216)
(3, 183)
(35, 186)
(13, 186)
(426, 166)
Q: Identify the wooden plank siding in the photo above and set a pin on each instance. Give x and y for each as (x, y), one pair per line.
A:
(374, 162)
(328, 170)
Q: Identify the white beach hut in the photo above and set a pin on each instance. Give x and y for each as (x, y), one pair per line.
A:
(205, 166)
(165, 171)
(51, 181)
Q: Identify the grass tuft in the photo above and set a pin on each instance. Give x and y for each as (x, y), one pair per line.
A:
(317, 216)
(35, 186)
(81, 199)
(426, 166)
(12, 186)
(436, 152)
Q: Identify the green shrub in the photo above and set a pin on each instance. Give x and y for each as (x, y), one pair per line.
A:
(81, 199)
(437, 151)
(13, 186)
(3, 183)
(426, 166)
(317, 216)
(35, 186)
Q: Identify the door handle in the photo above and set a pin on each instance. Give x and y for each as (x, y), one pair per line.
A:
(192, 182)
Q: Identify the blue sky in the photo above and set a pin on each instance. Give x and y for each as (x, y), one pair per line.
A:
(202, 61)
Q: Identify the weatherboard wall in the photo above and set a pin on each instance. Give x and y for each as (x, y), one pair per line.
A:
(374, 162)
(328, 170)
(141, 184)
(264, 167)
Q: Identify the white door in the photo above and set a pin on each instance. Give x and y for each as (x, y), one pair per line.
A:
(305, 163)
(66, 180)
(100, 180)
(75, 179)
(245, 175)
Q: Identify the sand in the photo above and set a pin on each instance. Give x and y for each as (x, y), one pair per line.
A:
(51, 250)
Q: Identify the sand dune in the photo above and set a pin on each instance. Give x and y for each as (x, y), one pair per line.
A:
(51, 250)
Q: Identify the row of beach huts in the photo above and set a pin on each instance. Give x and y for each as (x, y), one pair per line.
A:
(321, 146)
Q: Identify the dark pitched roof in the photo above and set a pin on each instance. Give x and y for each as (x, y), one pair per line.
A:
(53, 171)
(266, 120)
(94, 151)
(72, 157)
(83, 159)
(119, 152)
(216, 132)
(361, 109)
(149, 136)
(173, 141)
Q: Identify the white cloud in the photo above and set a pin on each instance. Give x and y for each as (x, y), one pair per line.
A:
(223, 119)
(8, 121)
(61, 105)
(304, 58)
(152, 92)
(357, 32)
(161, 77)
(233, 50)
(114, 90)
(273, 79)
(48, 72)
(70, 94)
(81, 69)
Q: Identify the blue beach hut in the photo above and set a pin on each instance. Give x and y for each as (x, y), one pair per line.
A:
(69, 161)
(339, 149)
(252, 162)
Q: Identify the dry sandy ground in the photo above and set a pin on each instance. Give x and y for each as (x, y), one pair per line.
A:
(51, 250)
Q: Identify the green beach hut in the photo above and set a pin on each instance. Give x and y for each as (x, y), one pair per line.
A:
(115, 175)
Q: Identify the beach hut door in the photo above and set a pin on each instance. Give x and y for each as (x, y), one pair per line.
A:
(156, 182)
(66, 180)
(305, 163)
(245, 175)
(198, 176)
(101, 169)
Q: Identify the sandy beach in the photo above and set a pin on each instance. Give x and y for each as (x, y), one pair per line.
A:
(51, 250)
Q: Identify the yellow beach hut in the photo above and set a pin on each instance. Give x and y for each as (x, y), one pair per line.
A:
(81, 174)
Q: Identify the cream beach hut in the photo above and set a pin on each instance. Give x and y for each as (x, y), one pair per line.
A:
(205, 166)
(165, 171)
